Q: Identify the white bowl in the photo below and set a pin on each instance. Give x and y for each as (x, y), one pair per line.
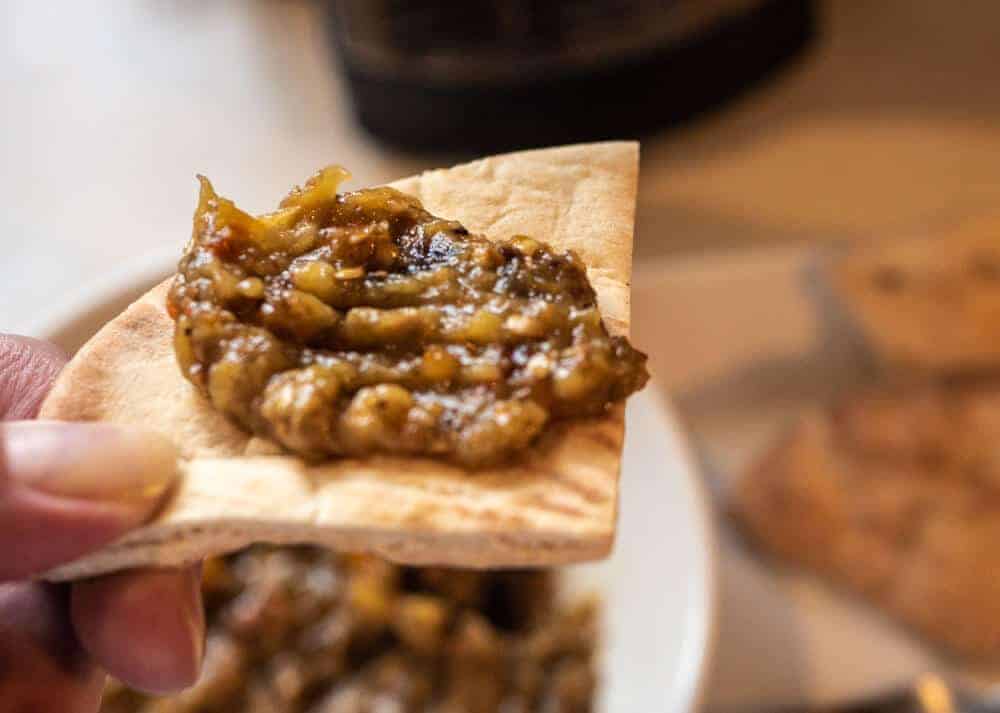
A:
(659, 586)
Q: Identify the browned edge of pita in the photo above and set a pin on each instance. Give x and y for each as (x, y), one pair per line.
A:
(927, 304)
(557, 505)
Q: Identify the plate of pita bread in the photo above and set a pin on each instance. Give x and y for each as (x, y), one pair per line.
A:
(844, 402)
(643, 542)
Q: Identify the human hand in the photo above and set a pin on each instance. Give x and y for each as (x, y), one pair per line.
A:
(66, 489)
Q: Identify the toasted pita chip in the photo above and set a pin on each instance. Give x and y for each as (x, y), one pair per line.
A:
(929, 303)
(555, 506)
(892, 494)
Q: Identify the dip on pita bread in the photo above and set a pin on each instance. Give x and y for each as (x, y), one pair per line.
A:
(555, 504)
(356, 323)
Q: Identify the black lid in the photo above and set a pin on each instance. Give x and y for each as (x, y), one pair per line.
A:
(427, 75)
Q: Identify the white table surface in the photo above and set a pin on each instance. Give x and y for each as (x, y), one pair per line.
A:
(110, 107)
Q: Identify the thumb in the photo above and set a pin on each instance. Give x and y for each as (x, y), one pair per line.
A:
(69, 488)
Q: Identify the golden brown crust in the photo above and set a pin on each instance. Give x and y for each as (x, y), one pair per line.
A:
(931, 304)
(894, 495)
(557, 506)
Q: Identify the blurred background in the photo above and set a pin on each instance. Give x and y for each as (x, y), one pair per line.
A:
(771, 130)
(885, 124)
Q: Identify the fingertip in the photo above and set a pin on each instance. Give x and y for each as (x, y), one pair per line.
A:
(145, 627)
(69, 488)
(94, 462)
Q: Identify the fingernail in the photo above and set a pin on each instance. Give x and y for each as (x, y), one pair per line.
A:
(89, 461)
